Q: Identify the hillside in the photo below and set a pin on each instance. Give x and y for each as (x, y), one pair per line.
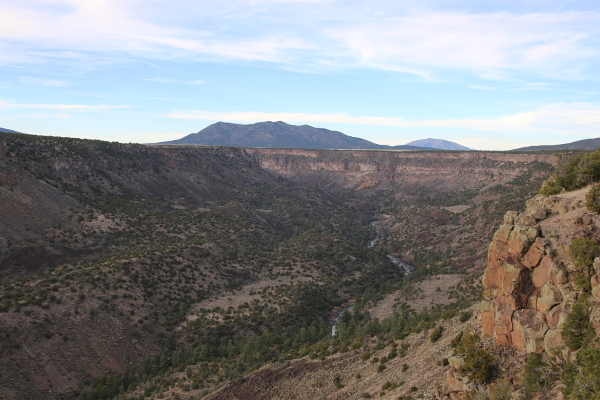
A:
(125, 266)
(274, 134)
(585, 144)
(8, 130)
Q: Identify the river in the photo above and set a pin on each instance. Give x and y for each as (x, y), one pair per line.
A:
(378, 236)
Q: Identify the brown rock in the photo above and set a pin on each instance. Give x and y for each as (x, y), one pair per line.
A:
(520, 239)
(534, 255)
(541, 274)
(453, 381)
(596, 293)
(595, 280)
(488, 317)
(529, 328)
(553, 341)
(556, 317)
(548, 297)
(538, 213)
(595, 319)
(509, 217)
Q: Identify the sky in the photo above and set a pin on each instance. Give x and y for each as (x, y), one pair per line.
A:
(490, 75)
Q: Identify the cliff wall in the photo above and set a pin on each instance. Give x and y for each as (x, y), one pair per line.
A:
(438, 170)
(529, 281)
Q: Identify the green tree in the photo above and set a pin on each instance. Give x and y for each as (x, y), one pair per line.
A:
(577, 329)
(479, 364)
(592, 198)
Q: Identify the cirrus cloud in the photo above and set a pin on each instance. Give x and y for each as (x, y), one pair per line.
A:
(557, 118)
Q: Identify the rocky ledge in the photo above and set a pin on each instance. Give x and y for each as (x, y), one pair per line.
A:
(529, 280)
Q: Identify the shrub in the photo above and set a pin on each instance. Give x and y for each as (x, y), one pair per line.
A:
(337, 382)
(456, 340)
(380, 367)
(592, 198)
(577, 329)
(538, 374)
(479, 364)
(464, 316)
(583, 281)
(583, 251)
(404, 367)
(436, 334)
(582, 378)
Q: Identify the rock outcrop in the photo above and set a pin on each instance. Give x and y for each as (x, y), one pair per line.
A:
(529, 288)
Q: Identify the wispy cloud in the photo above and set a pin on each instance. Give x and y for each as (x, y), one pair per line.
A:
(75, 107)
(166, 80)
(309, 35)
(558, 118)
(44, 82)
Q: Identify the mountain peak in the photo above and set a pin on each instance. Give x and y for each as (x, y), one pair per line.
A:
(274, 134)
(439, 144)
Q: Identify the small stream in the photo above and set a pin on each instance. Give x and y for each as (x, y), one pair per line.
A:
(378, 236)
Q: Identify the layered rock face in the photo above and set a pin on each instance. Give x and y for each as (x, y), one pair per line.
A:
(529, 288)
(360, 169)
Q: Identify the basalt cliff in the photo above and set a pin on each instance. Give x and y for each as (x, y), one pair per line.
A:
(529, 281)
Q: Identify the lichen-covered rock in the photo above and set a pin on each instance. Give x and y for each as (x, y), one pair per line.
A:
(529, 329)
(548, 297)
(553, 341)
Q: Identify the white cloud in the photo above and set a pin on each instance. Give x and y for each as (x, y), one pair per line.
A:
(166, 80)
(307, 35)
(44, 82)
(558, 118)
(80, 107)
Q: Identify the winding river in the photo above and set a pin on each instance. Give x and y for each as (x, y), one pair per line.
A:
(378, 236)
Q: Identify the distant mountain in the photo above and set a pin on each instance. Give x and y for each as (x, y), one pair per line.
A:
(407, 147)
(585, 144)
(274, 134)
(437, 144)
(8, 130)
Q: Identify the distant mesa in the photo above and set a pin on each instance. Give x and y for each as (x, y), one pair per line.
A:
(281, 135)
(585, 144)
(438, 144)
(8, 130)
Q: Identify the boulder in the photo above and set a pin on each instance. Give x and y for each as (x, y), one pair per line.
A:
(509, 217)
(529, 328)
(456, 362)
(595, 319)
(453, 381)
(520, 238)
(556, 317)
(596, 293)
(537, 213)
(548, 297)
(535, 253)
(553, 341)
(541, 274)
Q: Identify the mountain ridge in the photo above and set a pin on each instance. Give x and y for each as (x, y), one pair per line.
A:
(439, 144)
(279, 134)
(585, 144)
(274, 134)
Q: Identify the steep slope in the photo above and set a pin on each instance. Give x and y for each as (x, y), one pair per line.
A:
(585, 144)
(437, 144)
(274, 134)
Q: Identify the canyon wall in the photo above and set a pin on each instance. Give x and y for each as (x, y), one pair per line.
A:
(437, 170)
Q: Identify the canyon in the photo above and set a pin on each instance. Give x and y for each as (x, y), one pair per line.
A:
(112, 255)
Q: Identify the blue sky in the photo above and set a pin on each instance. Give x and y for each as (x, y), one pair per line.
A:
(489, 75)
